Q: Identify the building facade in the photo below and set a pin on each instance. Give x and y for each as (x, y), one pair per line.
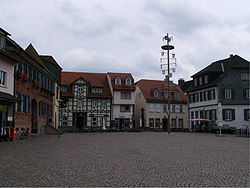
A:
(220, 93)
(151, 107)
(7, 98)
(123, 99)
(86, 101)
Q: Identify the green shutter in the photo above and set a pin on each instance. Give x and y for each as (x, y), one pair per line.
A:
(233, 114)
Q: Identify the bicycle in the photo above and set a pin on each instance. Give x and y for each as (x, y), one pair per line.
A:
(24, 133)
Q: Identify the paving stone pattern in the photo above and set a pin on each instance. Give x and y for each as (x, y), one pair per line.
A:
(126, 159)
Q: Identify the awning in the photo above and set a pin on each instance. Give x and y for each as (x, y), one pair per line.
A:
(8, 98)
(204, 120)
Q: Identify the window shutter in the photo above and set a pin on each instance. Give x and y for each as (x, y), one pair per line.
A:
(223, 92)
(233, 114)
(223, 114)
(232, 90)
(245, 114)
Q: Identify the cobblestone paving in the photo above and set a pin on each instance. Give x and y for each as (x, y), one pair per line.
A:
(126, 159)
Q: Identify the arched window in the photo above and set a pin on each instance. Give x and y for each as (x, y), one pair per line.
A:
(128, 81)
(156, 94)
(118, 80)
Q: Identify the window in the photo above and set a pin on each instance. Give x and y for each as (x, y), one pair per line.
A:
(246, 114)
(200, 81)
(157, 122)
(190, 98)
(31, 75)
(181, 108)
(173, 123)
(173, 108)
(201, 96)
(151, 122)
(247, 93)
(180, 123)
(2, 41)
(128, 81)
(196, 114)
(245, 76)
(192, 115)
(97, 90)
(206, 79)
(228, 114)
(94, 103)
(103, 103)
(80, 103)
(206, 96)
(151, 107)
(195, 82)
(117, 80)
(158, 108)
(64, 88)
(80, 88)
(125, 108)
(156, 94)
(165, 108)
(212, 94)
(213, 115)
(228, 93)
(3, 78)
(126, 95)
(65, 121)
(207, 114)
(166, 93)
(176, 94)
(94, 121)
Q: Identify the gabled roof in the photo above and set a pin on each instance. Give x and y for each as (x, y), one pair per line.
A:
(147, 88)
(123, 77)
(51, 60)
(93, 80)
(234, 61)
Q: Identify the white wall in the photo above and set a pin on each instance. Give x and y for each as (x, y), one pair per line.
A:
(117, 98)
(8, 67)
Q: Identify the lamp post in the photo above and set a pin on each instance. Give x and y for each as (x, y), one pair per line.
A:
(165, 67)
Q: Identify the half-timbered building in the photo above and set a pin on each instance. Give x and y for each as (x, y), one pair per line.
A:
(86, 101)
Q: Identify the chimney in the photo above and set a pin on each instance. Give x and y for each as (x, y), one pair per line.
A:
(181, 81)
(231, 57)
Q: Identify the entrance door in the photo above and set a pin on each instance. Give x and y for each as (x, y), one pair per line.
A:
(79, 122)
(34, 116)
(122, 123)
(165, 123)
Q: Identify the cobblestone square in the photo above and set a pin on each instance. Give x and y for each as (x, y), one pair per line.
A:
(126, 159)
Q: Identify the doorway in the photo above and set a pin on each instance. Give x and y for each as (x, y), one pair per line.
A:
(34, 116)
(164, 124)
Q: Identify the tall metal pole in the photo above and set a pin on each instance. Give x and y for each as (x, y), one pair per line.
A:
(168, 89)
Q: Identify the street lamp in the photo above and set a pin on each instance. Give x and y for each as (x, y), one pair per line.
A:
(166, 68)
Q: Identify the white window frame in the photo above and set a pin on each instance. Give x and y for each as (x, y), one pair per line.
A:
(117, 80)
(206, 79)
(80, 103)
(94, 103)
(165, 108)
(200, 81)
(173, 108)
(247, 93)
(128, 81)
(104, 103)
(158, 107)
(195, 82)
(80, 88)
(156, 93)
(228, 93)
(3, 78)
(228, 115)
(151, 107)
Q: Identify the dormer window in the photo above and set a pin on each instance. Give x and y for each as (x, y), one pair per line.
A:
(206, 79)
(117, 80)
(128, 81)
(64, 88)
(156, 93)
(97, 89)
(195, 82)
(166, 93)
(200, 81)
(80, 88)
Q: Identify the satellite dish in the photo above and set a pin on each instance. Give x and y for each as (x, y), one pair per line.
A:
(173, 69)
(173, 55)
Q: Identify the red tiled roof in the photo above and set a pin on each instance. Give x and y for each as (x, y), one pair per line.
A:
(123, 77)
(93, 79)
(147, 88)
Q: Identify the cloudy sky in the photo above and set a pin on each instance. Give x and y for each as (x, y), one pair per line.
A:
(126, 35)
